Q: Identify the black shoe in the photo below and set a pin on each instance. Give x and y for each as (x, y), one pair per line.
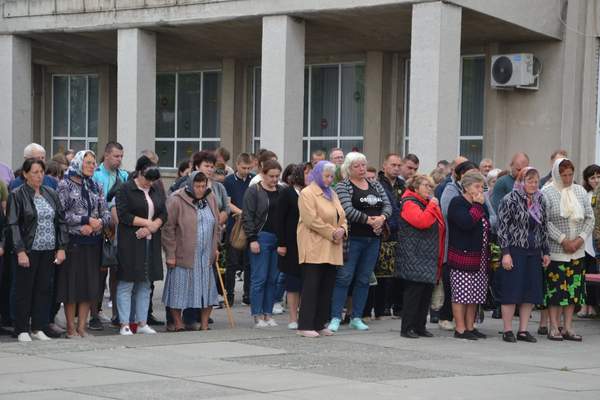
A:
(410, 334)
(509, 337)
(478, 334)
(525, 336)
(465, 335)
(153, 321)
(115, 322)
(542, 330)
(434, 317)
(246, 300)
(387, 312)
(230, 300)
(425, 333)
(51, 334)
(96, 325)
(210, 321)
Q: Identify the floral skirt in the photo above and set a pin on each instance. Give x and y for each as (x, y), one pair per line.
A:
(564, 283)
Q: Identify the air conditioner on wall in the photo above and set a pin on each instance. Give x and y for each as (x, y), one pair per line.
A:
(515, 71)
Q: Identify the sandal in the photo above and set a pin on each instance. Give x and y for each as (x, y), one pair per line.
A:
(572, 337)
(555, 336)
(542, 330)
(525, 336)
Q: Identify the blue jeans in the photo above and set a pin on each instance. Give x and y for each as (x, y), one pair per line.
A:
(263, 275)
(279, 288)
(140, 291)
(362, 256)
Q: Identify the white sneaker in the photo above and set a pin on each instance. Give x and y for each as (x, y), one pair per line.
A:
(277, 309)
(293, 325)
(125, 331)
(446, 325)
(146, 330)
(261, 323)
(103, 318)
(271, 322)
(24, 337)
(40, 335)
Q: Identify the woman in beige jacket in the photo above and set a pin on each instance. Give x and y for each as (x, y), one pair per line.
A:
(190, 238)
(321, 230)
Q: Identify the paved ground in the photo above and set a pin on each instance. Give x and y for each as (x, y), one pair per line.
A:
(245, 363)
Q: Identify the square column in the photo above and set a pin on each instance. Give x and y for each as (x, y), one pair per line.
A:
(136, 93)
(16, 125)
(282, 87)
(434, 116)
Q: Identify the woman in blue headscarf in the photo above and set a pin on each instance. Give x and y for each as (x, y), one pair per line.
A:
(190, 239)
(86, 213)
(523, 239)
(321, 230)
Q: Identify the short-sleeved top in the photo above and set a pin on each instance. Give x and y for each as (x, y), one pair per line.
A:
(271, 224)
(369, 202)
(45, 234)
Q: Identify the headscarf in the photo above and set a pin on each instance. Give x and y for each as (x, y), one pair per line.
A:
(535, 207)
(316, 176)
(189, 190)
(76, 169)
(570, 207)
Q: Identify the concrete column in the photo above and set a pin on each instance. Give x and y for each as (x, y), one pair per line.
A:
(136, 92)
(434, 82)
(373, 106)
(16, 105)
(282, 88)
(227, 115)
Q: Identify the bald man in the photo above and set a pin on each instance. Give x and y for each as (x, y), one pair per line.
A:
(505, 184)
(439, 190)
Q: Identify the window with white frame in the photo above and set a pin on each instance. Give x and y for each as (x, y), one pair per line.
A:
(406, 143)
(472, 107)
(334, 98)
(187, 115)
(74, 112)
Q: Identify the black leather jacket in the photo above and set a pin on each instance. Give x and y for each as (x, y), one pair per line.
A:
(22, 218)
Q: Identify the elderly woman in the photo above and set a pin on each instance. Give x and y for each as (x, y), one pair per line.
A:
(142, 212)
(419, 253)
(287, 244)
(522, 236)
(190, 239)
(39, 238)
(86, 213)
(468, 253)
(570, 222)
(321, 230)
(591, 183)
(367, 208)
(259, 220)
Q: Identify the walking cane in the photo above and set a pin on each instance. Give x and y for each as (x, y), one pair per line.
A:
(227, 307)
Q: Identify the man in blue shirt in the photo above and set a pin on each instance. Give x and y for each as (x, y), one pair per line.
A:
(33, 150)
(107, 175)
(237, 260)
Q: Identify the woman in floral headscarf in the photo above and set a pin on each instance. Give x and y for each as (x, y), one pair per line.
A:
(570, 222)
(86, 212)
(523, 239)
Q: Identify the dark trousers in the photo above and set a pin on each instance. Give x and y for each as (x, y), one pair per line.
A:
(33, 291)
(5, 277)
(395, 295)
(445, 313)
(377, 298)
(417, 298)
(53, 305)
(318, 281)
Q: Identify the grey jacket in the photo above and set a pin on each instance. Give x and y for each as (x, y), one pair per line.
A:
(255, 210)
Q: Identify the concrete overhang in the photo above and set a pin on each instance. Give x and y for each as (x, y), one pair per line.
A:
(330, 32)
(28, 16)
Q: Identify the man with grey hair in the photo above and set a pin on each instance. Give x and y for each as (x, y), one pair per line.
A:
(33, 150)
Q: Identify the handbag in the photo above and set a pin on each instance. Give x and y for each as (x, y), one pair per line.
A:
(238, 239)
(386, 262)
(109, 253)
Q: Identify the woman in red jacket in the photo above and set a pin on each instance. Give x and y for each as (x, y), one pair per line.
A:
(419, 253)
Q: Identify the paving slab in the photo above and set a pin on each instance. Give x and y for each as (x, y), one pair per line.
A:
(16, 364)
(272, 380)
(216, 350)
(50, 395)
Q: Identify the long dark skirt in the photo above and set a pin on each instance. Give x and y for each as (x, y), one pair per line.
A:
(79, 275)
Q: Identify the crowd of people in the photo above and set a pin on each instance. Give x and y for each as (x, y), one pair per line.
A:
(345, 242)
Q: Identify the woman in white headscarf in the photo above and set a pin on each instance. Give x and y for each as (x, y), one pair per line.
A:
(570, 222)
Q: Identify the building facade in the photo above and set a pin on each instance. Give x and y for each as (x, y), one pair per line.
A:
(296, 76)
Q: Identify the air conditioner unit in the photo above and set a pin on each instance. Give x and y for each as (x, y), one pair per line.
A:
(515, 71)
